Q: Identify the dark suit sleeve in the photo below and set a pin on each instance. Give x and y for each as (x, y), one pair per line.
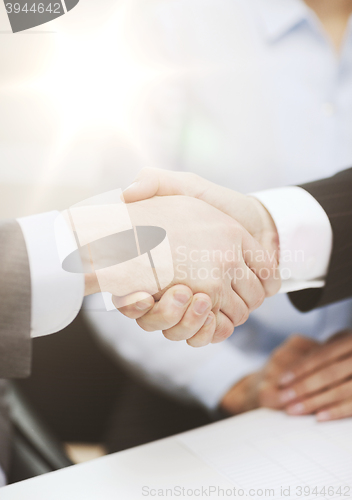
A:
(5, 428)
(335, 196)
(15, 303)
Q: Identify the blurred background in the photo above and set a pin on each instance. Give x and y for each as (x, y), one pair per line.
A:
(70, 91)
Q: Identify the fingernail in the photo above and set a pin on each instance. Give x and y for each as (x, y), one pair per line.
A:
(287, 378)
(181, 299)
(297, 409)
(142, 305)
(288, 395)
(209, 320)
(323, 416)
(201, 306)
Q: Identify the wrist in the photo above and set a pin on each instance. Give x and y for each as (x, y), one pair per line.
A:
(264, 229)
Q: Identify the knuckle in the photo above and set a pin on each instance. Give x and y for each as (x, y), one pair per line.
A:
(170, 335)
(260, 296)
(192, 343)
(161, 319)
(303, 387)
(187, 324)
(127, 311)
(170, 318)
(203, 297)
(331, 374)
(222, 332)
(337, 393)
(346, 389)
(146, 325)
(243, 316)
(184, 330)
(311, 385)
(197, 341)
(309, 366)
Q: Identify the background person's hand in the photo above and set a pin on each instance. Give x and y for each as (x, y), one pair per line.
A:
(246, 210)
(261, 389)
(322, 383)
(236, 284)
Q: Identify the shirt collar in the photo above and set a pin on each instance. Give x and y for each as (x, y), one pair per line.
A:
(278, 17)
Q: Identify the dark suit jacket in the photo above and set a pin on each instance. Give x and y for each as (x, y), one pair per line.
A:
(335, 196)
(15, 319)
(15, 302)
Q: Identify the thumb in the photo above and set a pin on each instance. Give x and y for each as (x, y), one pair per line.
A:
(152, 182)
(157, 182)
(146, 185)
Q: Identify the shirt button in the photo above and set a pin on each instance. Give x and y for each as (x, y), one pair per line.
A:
(328, 109)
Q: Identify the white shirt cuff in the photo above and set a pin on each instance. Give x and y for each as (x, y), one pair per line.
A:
(305, 236)
(57, 295)
(2, 478)
(220, 373)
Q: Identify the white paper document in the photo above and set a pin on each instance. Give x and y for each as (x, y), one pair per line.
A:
(267, 454)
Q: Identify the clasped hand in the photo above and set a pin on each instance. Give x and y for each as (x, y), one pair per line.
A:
(222, 270)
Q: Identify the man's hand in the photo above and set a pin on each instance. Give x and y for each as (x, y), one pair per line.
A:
(175, 307)
(213, 256)
(322, 383)
(261, 389)
(246, 210)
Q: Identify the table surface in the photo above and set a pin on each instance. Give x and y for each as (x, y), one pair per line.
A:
(256, 451)
(120, 476)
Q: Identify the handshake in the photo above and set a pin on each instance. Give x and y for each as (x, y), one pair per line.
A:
(224, 250)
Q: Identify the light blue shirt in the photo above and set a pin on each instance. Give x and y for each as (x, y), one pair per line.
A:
(305, 74)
